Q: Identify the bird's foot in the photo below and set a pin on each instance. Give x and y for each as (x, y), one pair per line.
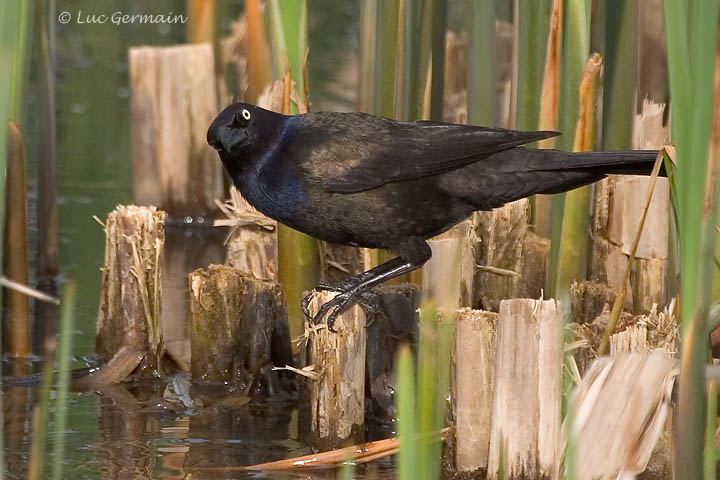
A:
(348, 293)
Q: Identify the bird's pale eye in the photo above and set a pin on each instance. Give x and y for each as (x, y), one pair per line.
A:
(246, 114)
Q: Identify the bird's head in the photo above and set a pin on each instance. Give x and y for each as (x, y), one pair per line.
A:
(241, 133)
(230, 132)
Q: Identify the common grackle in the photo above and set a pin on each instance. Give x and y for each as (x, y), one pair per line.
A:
(367, 181)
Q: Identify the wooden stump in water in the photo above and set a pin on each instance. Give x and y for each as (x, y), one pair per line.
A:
(129, 314)
(239, 331)
(173, 101)
(447, 278)
(252, 245)
(337, 397)
(473, 384)
(391, 323)
(527, 401)
(499, 253)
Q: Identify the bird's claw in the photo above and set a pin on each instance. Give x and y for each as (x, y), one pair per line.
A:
(331, 309)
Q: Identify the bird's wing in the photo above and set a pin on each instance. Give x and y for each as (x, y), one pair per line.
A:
(377, 151)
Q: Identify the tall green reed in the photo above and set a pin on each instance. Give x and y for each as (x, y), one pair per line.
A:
(532, 24)
(691, 41)
(64, 358)
(576, 50)
(298, 256)
(482, 78)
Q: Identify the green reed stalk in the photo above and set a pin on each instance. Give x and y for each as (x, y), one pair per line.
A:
(64, 361)
(482, 79)
(418, 34)
(47, 246)
(711, 450)
(408, 457)
(574, 240)
(620, 74)
(691, 34)
(437, 88)
(576, 44)
(367, 50)
(532, 24)
(41, 413)
(298, 257)
(388, 58)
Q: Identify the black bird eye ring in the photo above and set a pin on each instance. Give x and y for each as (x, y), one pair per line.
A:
(241, 118)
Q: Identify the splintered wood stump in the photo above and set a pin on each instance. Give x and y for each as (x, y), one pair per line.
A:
(391, 323)
(499, 255)
(130, 299)
(173, 100)
(474, 361)
(619, 412)
(447, 278)
(239, 331)
(337, 397)
(618, 205)
(527, 401)
(252, 247)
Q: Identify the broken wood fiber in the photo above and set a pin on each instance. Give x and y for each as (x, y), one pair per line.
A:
(619, 412)
(527, 400)
(130, 299)
(252, 245)
(474, 361)
(337, 397)
(239, 332)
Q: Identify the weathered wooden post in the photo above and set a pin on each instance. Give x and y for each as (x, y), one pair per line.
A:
(618, 204)
(130, 300)
(173, 101)
(511, 259)
(337, 396)
(474, 381)
(391, 322)
(447, 278)
(527, 401)
(239, 331)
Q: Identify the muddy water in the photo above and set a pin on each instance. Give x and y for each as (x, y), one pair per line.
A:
(141, 431)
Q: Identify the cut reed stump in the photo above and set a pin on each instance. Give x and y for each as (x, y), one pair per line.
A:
(527, 401)
(173, 100)
(129, 314)
(447, 278)
(337, 396)
(474, 379)
(391, 322)
(16, 324)
(239, 332)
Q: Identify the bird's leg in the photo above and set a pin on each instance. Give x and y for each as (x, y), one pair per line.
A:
(413, 253)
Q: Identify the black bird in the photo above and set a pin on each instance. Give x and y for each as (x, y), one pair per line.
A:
(367, 181)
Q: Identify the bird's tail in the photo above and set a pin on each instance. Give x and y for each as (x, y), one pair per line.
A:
(624, 162)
